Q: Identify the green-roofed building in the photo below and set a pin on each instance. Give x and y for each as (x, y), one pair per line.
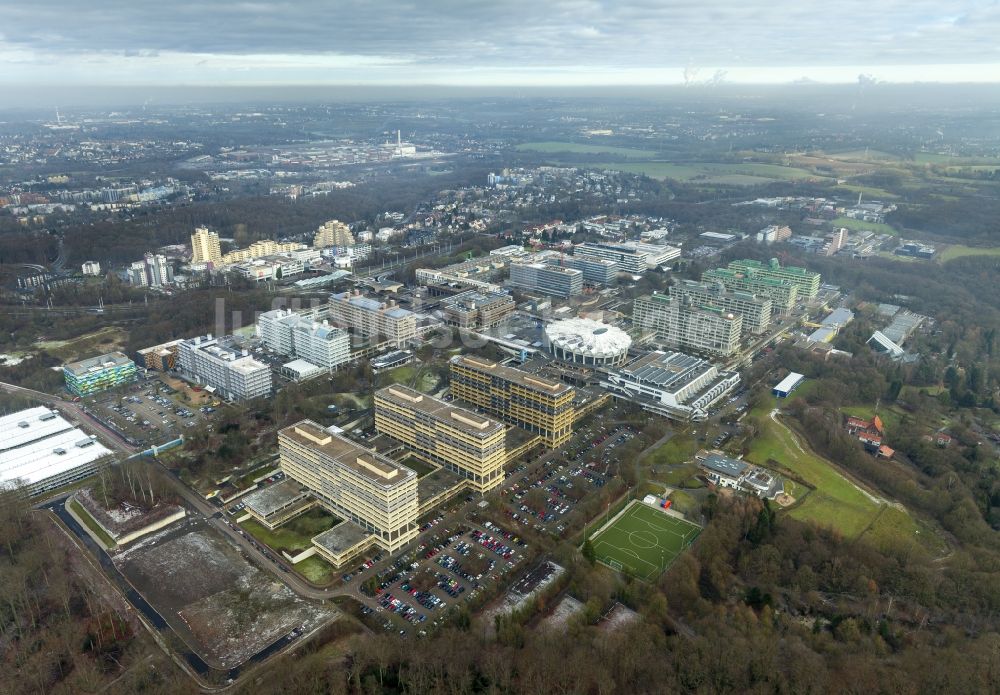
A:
(806, 281)
(679, 323)
(783, 293)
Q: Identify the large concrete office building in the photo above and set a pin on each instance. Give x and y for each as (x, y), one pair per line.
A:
(783, 294)
(755, 309)
(232, 372)
(97, 374)
(596, 271)
(679, 323)
(40, 450)
(630, 260)
(358, 484)
(546, 279)
(534, 403)
(476, 309)
(806, 281)
(465, 442)
(305, 337)
(373, 320)
(673, 384)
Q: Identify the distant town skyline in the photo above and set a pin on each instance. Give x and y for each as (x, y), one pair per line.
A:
(510, 43)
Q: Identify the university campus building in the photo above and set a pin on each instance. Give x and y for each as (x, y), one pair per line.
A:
(464, 442)
(537, 404)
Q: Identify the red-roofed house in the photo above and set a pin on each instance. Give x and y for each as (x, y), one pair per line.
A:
(869, 432)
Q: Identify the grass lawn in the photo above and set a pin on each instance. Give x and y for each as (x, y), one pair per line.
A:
(836, 501)
(579, 148)
(643, 541)
(294, 536)
(743, 173)
(869, 191)
(316, 569)
(92, 524)
(958, 251)
(422, 468)
(678, 449)
(862, 226)
(675, 477)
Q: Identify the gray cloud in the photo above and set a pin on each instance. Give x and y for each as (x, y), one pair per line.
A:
(522, 34)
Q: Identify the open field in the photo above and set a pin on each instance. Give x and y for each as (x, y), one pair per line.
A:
(578, 148)
(316, 569)
(742, 173)
(225, 608)
(836, 501)
(643, 541)
(959, 251)
(294, 536)
(862, 226)
(89, 345)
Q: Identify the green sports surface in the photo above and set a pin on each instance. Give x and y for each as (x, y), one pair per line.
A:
(643, 541)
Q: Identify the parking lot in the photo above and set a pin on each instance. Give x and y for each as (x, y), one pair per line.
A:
(449, 567)
(546, 496)
(148, 411)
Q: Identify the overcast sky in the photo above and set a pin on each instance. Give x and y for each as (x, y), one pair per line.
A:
(503, 42)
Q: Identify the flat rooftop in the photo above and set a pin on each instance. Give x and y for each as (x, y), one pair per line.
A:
(30, 425)
(789, 382)
(377, 468)
(270, 499)
(466, 420)
(341, 537)
(112, 359)
(723, 465)
(437, 482)
(517, 376)
(669, 371)
(50, 456)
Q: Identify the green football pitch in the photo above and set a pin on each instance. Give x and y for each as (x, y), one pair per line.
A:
(643, 541)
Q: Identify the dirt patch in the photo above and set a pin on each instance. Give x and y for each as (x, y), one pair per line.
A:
(566, 609)
(784, 500)
(225, 608)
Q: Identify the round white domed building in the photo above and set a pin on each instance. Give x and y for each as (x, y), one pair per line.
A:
(586, 342)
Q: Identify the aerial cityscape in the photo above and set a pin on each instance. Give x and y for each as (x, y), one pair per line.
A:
(435, 367)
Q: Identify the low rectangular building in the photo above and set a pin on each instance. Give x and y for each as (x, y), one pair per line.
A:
(546, 279)
(40, 450)
(97, 374)
(787, 385)
(673, 384)
(162, 358)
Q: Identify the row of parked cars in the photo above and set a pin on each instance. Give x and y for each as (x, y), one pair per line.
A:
(401, 608)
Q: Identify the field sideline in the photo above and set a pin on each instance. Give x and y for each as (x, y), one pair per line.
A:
(643, 541)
